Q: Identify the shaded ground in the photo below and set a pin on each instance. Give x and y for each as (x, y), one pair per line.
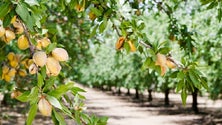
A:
(124, 110)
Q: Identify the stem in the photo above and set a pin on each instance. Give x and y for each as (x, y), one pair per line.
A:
(83, 122)
(31, 46)
(162, 8)
(117, 31)
(145, 45)
(3, 46)
(180, 66)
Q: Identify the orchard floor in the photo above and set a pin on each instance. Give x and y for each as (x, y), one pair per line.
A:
(124, 110)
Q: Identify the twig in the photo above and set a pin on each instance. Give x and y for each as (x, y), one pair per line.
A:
(3, 46)
(175, 62)
(162, 8)
(83, 122)
(145, 45)
(31, 46)
(117, 31)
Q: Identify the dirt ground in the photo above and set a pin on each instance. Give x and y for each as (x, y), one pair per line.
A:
(124, 110)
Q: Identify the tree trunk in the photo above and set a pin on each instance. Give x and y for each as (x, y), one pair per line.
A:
(102, 88)
(4, 101)
(109, 88)
(150, 97)
(137, 94)
(194, 104)
(167, 101)
(128, 92)
(119, 90)
(7, 100)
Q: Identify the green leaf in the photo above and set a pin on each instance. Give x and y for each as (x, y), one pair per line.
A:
(49, 82)
(147, 62)
(204, 2)
(24, 97)
(219, 14)
(51, 47)
(27, 96)
(22, 11)
(151, 52)
(52, 28)
(54, 101)
(77, 117)
(183, 61)
(93, 33)
(8, 18)
(32, 2)
(102, 120)
(96, 11)
(141, 26)
(180, 75)
(189, 84)
(212, 5)
(85, 117)
(77, 89)
(5, 8)
(164, 50)
(31, 114)
(55, 121)
(194, 79)
(43, 72)
(62, 6)
(60, 119)
(140, 48)
(103, 25)
(169, 9)
(184, 96)
(67, 111)
(180, 85)
(62, 89)
(40, 80)
(204, 84)
(33, 96)
(174, 74)
(127, 47)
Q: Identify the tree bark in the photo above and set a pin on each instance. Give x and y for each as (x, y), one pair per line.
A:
(119, 90)
(137, 94)
(128, 92)
(102, 88)
(109, 88)
(6, 100)
(195, 103)
(150, 97)
(166, 100)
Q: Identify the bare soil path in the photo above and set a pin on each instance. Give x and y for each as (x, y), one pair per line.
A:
(123, 110)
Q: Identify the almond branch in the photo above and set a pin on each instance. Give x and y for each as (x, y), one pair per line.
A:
(178, 64)
(117, 31)
(31, 46)
(145, 45)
